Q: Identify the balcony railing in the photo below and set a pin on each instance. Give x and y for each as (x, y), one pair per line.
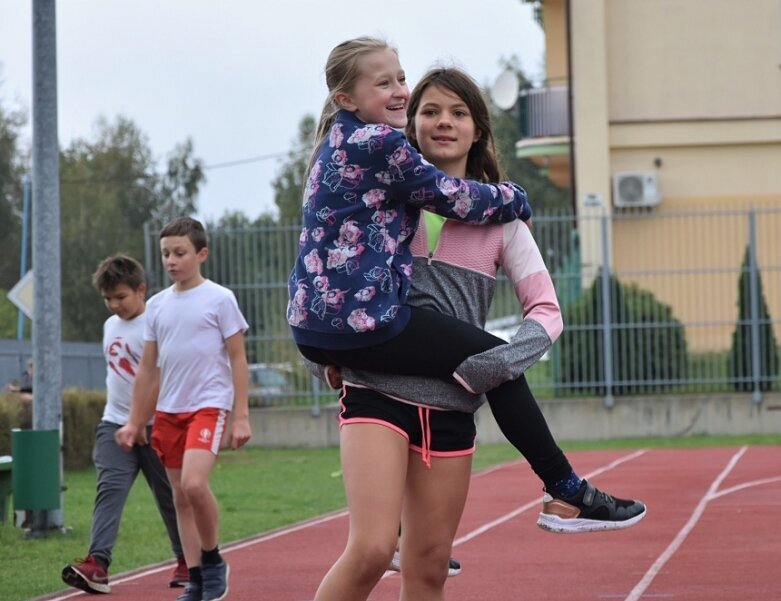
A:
(542, 112)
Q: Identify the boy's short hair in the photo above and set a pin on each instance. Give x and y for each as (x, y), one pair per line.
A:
(186, 226)
(116, 270)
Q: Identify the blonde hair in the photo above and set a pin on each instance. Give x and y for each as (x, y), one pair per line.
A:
(341, 73)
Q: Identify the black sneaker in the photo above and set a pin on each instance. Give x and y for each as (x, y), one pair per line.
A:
(192, 592)
(453, 567)
(215, 581)
(589, 510)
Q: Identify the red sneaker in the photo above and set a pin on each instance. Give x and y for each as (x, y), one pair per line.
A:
(181, 575)
(86, 574)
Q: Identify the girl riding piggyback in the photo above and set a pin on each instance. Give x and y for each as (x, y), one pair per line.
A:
(364, 192)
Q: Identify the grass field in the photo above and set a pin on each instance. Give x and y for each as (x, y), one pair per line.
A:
(258, 490)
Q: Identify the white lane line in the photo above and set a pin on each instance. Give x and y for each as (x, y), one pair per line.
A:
(657, 566)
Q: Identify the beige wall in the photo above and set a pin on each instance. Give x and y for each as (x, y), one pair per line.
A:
(690, 89)
(693, 58)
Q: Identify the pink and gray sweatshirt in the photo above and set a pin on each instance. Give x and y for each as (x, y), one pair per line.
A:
(459, 278)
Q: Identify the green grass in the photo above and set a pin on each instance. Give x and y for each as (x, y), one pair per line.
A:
(258, 490)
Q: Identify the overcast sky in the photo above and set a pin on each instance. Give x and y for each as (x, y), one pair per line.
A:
(237, 76)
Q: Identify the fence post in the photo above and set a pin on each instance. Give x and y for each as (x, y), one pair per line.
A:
(607, 325)
(756, 359)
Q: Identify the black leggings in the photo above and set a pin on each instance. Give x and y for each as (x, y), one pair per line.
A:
(434, 345)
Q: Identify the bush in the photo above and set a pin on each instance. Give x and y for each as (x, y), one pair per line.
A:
(740, 356)
(81, 412)
(648, 342)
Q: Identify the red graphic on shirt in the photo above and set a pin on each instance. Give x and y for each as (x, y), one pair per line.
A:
(122, 360)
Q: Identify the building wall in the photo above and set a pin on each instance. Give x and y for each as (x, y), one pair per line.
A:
(692, 91)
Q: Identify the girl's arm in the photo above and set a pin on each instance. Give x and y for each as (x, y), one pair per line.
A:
(142, 408)
(422, 185)
(240, 430)
(541, 326)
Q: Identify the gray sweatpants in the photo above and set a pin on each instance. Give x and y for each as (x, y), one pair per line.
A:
(117, 471)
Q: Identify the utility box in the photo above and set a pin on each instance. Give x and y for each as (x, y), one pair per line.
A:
(36, 469)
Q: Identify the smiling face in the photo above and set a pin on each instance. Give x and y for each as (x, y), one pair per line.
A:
(380, 93)
(182, 261)
(445, 130)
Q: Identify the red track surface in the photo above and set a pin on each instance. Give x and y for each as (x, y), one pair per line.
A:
(712, 533)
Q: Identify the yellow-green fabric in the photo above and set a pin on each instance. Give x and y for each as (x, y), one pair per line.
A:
(434, 225)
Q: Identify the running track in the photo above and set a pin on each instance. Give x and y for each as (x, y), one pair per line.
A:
(712, 533)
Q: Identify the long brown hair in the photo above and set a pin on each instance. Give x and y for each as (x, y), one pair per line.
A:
(482, 162)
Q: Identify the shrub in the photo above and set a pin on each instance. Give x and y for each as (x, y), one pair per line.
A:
(740, 356)
(648, 342)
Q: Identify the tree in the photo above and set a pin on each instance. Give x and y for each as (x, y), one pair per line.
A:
(741, 357)
(289, 184)
(12, 168)
(109, 189)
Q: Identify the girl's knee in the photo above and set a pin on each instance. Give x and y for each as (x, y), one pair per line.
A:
(373, 558)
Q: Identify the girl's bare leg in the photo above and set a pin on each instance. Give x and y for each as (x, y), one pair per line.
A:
(374, 467)
(432, 508)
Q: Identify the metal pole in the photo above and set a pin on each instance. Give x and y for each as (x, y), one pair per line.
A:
(47, 357)
(753, 278)
(23, 263)
(607, 334)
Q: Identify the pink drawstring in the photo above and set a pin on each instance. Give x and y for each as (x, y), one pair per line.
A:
(424, 413)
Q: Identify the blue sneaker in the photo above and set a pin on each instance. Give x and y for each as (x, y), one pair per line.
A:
(215, 581)
(192, 592)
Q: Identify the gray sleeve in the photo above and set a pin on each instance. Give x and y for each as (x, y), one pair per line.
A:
(480, 373)
(429, 392)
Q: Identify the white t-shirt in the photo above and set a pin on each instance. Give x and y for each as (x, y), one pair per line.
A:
(123, 341)
(190, 329)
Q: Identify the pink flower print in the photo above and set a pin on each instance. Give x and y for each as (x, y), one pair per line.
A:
(339, 157)
(374, 198)
(313, 262)
(312, 185)
(384, 218)
(302, 238)
(383, 177)
(349, 233)
(370, 138)
(296, 316)
(507, 192)
(390, 245)
(320, 283)
(407, 269)
(326, 215)
(343, 176)
(333, 299)
(340, 258)
(448, 187)
(397, 161)
(365, 294)
(317, 234)
(335, 136)
(360, 321)
(462, 206)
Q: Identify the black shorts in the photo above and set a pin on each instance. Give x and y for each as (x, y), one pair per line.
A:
(429, 431)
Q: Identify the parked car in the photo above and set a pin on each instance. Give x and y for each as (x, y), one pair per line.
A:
(268, 384)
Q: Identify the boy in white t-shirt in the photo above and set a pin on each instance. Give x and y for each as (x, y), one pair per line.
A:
(194, 351)
(122, 283)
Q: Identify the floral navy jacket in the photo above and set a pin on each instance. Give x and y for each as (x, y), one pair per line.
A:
(361, 206)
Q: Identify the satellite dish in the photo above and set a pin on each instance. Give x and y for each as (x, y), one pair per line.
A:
(504, 92)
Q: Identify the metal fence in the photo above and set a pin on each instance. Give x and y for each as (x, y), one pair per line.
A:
(653, 302)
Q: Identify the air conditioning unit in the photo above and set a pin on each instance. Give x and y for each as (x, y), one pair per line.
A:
(636, 189)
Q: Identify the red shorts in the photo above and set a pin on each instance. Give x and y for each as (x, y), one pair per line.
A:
(174, 433)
